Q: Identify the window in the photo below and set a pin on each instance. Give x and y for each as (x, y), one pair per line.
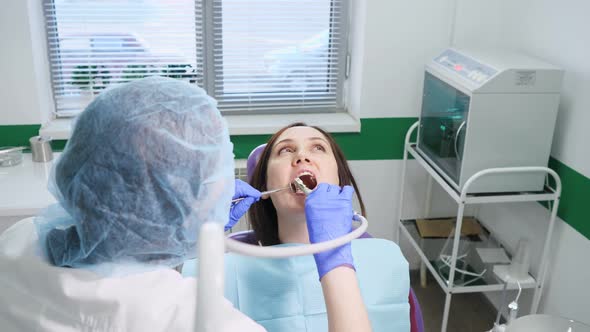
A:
(253, 56)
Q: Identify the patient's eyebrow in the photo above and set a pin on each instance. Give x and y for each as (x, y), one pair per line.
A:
(289, 140)
(286, 140)
(317, 138)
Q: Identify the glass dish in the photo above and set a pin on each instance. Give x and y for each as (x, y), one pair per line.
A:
(11, 156)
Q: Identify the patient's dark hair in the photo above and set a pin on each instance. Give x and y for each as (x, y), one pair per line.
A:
(263, 215)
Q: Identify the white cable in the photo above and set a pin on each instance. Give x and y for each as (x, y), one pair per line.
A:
(513, 306)
(446, 259)
(307, 249)
(519, 291)
(457, 140)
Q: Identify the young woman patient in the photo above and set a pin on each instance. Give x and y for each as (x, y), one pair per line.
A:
(287, 217)
(283, 217)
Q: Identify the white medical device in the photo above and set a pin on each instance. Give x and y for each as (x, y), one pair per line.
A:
(485, 110)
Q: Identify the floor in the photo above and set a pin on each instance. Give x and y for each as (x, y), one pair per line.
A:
(469, 312)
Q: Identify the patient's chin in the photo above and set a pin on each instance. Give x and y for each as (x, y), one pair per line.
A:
(290, 205)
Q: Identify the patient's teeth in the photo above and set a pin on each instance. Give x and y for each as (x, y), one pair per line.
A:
(293, 186)
(302, 186)
(304, 182)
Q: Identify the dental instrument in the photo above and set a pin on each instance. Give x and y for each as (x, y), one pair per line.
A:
(268, 192)
(307, 181)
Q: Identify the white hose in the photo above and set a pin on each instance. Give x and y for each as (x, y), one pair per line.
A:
(307, 249)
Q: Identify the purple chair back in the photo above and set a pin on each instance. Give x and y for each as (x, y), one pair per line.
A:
(253, 160)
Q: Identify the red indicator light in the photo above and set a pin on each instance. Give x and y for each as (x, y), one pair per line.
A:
(458, 67)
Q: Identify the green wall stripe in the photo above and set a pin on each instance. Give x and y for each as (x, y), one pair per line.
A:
(17, 135)
(244, 144)
(379, 139)
(575, 192)
(58, 144)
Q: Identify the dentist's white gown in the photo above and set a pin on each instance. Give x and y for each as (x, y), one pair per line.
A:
(36, 296)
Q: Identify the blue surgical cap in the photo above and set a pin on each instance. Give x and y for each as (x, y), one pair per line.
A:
(147, 163)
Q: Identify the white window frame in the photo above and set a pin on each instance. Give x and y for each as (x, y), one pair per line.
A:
(342, 119)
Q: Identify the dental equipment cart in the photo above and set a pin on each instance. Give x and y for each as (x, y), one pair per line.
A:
(463, 198)
(485, 133)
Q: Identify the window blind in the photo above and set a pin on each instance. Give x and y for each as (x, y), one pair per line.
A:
(277, 54)
(251, 55)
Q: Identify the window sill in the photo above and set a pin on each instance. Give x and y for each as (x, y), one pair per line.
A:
(270, 123)
(60, 129)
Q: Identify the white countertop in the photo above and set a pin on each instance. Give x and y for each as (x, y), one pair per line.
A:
(23, 188)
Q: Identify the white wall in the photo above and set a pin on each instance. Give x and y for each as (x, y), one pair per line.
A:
(552, 31)
(478, 23)
(399, 37)
(25, 93)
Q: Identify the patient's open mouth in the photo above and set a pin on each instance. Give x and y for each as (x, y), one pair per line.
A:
(304, 183)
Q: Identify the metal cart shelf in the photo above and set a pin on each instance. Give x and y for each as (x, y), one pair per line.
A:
(462, 198)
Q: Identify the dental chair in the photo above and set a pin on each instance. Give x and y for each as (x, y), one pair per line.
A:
(416, 320)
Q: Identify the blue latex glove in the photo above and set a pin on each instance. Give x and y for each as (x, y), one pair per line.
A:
(328, 210)
(237, 210)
